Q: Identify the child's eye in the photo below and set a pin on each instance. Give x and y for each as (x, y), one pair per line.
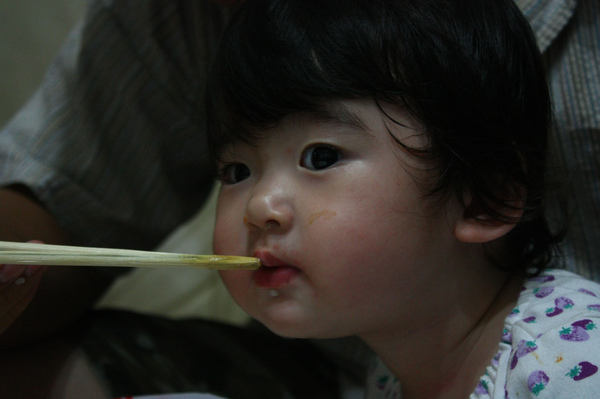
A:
(234, 173)
(319, 157)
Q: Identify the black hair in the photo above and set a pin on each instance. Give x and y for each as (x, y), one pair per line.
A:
(469, 71)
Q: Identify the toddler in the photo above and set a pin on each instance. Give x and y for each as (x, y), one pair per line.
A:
(385, 160)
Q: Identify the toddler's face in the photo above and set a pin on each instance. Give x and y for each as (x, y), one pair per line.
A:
(330, 206)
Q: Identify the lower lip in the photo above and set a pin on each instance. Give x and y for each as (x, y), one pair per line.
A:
(274, 277)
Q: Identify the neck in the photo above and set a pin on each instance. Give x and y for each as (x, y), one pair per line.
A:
(446, 356)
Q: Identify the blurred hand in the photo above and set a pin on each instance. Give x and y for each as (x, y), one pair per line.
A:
(18, 285)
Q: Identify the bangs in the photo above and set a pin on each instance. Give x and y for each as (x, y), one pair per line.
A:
(300, 56)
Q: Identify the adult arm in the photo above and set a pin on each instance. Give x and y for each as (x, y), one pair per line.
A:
(112, 144)
(52, 306)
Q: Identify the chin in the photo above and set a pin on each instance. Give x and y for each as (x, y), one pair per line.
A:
(289, 330)
(288, 318)
(298, 328)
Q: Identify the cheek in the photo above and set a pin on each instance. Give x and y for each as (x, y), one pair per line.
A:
(348, 222)
(237, 283)
(362, 237)
(233, 278)
(340, 243)
(227, 239)
(228, 232)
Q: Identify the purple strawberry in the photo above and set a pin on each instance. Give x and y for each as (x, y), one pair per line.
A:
(516, 311)
(496, 359)
(543, 292)
(563, 303)
(529, 320)
(574, 334)
(551, 312)
(582, 370)
(578, 331)
(506, 336)
(382, 382)
(482, 388)
(585, 323)
(587, 292)
(537, 381)
(523, 348)
(543, 279)
(595, 307)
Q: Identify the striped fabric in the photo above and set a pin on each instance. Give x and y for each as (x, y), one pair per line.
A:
(113, 140)
(568, 32)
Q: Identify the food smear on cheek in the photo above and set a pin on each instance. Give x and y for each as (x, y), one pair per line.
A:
(323, 214)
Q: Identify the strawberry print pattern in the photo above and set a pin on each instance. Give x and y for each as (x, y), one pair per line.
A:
(523, 348)
(560, 304)
(577, 331)
(537, 382)
(582, 370)
(550, 345)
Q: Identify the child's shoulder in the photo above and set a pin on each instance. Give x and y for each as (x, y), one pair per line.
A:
(556, 295)
(554, 337)
(552, 300)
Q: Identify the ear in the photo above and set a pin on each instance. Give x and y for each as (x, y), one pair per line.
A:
(476, 226)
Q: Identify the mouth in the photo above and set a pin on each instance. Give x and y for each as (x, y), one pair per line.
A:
(273, 272)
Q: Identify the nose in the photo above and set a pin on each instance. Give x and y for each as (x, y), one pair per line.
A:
(270, 207)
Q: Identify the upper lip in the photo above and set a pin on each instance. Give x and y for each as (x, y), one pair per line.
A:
(268, 259)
